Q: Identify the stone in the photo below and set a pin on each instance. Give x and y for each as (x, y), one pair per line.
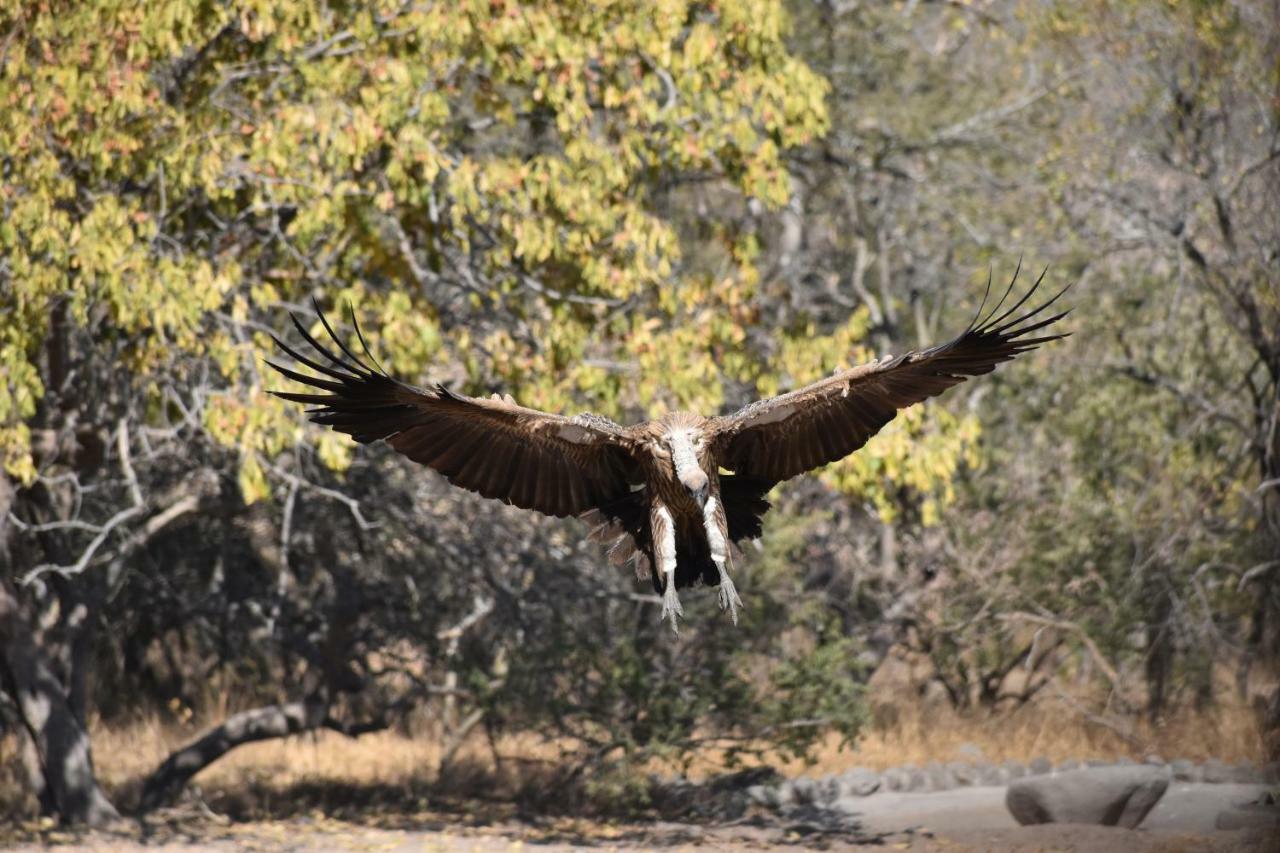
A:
(1154, 759)
(918, 781)
(1271, 773)
(1040, 766)
(940, 778)
(1185, 770)
(1245, 773)
(1069, 764)
(896, 779)
(1015, 769)
(804, 791)
(828, 789)
(964, 774)
(1215, 771)
(992, 774)
(971, 751)
(859, 782)
(1249, 816)
(1109, 796)
(763, 795)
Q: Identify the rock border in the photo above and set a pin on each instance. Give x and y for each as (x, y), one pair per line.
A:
(937, 776)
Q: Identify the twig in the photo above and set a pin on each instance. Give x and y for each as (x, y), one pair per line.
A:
(139, 505)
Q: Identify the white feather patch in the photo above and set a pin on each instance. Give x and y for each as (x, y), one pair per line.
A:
(771, 415)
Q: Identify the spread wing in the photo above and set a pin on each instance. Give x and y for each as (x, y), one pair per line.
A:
(554, 464)
(783, 436)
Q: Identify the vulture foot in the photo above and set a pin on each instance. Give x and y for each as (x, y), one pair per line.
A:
(729, 599)
(671, 607)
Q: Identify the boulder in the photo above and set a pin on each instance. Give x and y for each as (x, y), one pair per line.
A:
(828, 789)
(1249, 816)
(1069, 764)
(859, 782)
(1245, 773)
(1040, 766)
(1215, 771)
(919, 781)
(940, 778)
(1015, 769)
(1185, 770)
(1110, 796)
(992, 774)
(896, 779)
(964, 774)
(804, 791)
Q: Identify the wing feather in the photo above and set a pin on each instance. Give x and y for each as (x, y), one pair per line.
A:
(781, 437)
(554, 464)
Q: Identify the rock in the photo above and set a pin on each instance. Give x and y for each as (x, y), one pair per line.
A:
(1249, 816)
(919, 781)
(1271, 773)
(804, 790)
(964, 774)
(1154, 759)
(991, 774)
(1245, 773)
(1069, 764)
(971, 751)
(940, 778)
(896, 779)
(763, 795)
(1215, 771)
(1040, 766)
(1015, 769)
(1110, 796)
(1125, 761)
(859, 782)
(828, 789)
(1185, 770)
(1097, 762)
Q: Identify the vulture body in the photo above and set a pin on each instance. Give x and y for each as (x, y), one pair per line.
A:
(671, 494)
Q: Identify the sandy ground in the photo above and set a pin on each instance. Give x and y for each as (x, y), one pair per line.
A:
(302, 836)
(959, 821)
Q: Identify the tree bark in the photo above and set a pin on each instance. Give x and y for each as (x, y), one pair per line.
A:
(59, 744)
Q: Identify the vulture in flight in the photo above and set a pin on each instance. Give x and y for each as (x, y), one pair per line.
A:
(672, 493)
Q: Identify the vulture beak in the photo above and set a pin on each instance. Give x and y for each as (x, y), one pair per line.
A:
(697, 483)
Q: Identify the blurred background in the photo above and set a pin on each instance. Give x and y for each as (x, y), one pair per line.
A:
(628, 208)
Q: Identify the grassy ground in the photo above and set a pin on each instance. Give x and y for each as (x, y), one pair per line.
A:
(384, 779)
(125, 754)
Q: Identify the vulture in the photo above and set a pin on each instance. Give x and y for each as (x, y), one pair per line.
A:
(671, 494)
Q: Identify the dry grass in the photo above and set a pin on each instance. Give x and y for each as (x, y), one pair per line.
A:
(914, 736)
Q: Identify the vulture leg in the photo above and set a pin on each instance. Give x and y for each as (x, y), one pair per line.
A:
(664, 546)
(717, 525)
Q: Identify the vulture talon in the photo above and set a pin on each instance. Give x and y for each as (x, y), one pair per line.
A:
(729, 599)
(671, 607)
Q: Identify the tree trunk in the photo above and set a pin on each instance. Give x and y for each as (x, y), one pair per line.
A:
(59, 744)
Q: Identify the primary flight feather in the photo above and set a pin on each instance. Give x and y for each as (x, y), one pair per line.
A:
(655, 489)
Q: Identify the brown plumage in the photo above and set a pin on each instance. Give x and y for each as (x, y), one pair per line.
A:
(655, 489)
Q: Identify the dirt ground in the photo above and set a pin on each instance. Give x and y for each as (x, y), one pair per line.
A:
(425, 833)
